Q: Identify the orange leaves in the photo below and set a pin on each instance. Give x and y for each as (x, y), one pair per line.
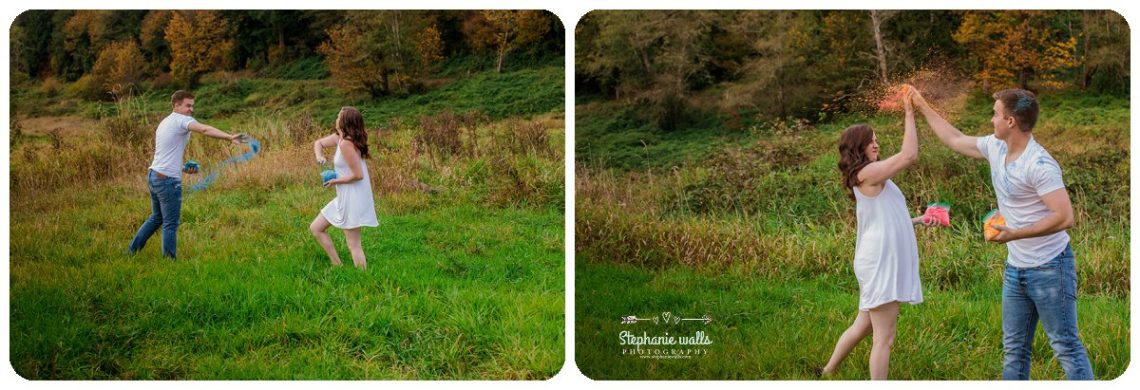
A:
(1016, 46)
(198, 44)
(429, 47)
(506, 30)
(119, 66)
(353, 60)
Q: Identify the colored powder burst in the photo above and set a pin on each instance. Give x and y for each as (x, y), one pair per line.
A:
(893, 99)
(254, 148)
(941, 86)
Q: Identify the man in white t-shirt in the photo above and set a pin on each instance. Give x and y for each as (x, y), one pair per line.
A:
(1040, 281)
(164, 178)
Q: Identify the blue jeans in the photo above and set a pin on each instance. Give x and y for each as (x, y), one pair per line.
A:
(1047, 292)
(166, 210)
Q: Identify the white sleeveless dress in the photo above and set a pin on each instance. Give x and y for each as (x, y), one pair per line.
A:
(353, 206)
(886, 252)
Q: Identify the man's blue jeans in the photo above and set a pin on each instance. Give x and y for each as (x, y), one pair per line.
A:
(1047, 292)
(166, 210)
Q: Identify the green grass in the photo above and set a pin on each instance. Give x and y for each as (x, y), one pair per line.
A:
(451, 291)
(756, 231)
(615, 136)
(783, 330)
(523, 92)
(309, 68)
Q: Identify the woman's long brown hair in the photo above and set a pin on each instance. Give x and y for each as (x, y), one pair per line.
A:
(852, 158)
(352, 124)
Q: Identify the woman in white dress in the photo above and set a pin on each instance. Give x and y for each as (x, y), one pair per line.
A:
(353, 207)
(886, 252)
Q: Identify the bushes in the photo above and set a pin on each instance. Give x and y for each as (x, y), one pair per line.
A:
(87, 88)
(51, 87)
(440, 134)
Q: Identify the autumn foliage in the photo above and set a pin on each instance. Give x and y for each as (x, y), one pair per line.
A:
(504, 31)
(353, 61)
(198, 44)
(1017, 47)
(429, 48)
(120, 67)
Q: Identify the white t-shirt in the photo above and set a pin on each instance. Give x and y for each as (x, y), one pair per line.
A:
(170, 141)
(1019, 187)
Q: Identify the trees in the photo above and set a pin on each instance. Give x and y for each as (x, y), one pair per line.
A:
(382, 52)
(1105, 49)
(920, 38)
(773, 79)
(808, 64)
(273, 38)
(654, 58)
(617, 48)
(429, 48)
(396, 39)
(30, 35)
(396, 50)
(1017, 47)
(354, 59)
(198, 44)
(152, 39)
(505, 31)
(877, 19)
(119, 68)
(85, 33)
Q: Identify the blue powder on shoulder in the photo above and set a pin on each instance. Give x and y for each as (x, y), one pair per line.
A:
(1023, 104)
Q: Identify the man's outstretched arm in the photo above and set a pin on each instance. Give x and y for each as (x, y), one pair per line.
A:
(950, 136)
(213, 132)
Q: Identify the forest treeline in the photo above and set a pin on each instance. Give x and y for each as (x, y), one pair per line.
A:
(105, 53)
(806, 64)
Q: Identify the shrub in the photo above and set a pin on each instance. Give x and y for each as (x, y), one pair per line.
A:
(51, 87)
(88, 88)
(441, 133)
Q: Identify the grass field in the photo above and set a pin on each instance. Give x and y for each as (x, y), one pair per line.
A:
(465, 272)
(751, 227)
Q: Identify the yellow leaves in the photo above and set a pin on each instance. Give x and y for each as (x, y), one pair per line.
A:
(513, 28)
(1014, 46)
(198, 44)
(429, 46)
(92, 24)
(506, 30)
(351, 61)
(119, 66)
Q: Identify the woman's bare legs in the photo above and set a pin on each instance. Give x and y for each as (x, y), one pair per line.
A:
(319, 228)
(851, 337)
(352, 238)
(883, 321)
